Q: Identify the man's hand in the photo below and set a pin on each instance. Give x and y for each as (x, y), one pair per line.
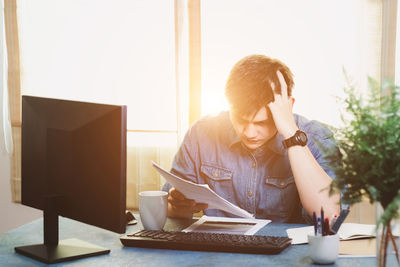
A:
(281, 109)
(181, 207)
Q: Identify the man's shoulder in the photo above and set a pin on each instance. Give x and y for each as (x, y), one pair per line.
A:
(212, 122)
(211, 130)
(314, 127)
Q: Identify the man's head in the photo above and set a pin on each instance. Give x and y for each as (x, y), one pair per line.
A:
(249, 85)
(249, 89)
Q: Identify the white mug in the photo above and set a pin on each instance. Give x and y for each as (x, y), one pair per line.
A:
(323, 249)
(153, 206)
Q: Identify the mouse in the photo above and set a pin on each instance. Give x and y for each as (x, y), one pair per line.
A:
(130, 219)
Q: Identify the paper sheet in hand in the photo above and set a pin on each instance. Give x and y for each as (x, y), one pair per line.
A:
(201, 193)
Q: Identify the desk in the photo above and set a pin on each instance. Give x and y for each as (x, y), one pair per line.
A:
(32, 233)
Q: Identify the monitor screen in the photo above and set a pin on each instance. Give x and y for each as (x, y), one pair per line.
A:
(75, 153)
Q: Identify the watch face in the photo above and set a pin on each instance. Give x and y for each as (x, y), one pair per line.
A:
(299, 138)
(302, 138)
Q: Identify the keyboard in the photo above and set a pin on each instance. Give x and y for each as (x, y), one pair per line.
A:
(201, 241)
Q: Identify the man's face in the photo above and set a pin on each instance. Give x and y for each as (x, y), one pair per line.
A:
(256, 129)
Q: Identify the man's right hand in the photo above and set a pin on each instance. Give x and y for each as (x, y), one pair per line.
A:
(181, 207)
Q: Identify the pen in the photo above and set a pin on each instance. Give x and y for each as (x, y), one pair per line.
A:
(319, 230)
(322, 214)
(322, 220)
(326, 227)
(315, 223)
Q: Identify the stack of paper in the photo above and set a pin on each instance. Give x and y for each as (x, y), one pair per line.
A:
(224, 225)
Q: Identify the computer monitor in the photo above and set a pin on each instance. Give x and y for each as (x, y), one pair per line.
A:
(73, 165)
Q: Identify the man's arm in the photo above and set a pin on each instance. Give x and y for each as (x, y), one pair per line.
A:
(310, 177)
(311, 182)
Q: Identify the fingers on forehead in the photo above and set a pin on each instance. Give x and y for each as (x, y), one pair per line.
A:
(277, 82)
(280, 75)
(282, 82)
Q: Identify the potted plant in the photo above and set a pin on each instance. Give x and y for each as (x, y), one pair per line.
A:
(369, 143)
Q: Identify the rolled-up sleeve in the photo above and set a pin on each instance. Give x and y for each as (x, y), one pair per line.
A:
(324, 148)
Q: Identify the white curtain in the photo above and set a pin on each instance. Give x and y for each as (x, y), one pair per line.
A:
(6, 145)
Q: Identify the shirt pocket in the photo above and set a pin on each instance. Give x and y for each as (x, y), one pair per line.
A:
(219, 179)
(281, 195)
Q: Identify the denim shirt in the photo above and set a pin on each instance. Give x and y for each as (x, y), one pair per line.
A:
(260, 182)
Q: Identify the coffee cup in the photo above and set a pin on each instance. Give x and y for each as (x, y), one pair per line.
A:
(153, 206)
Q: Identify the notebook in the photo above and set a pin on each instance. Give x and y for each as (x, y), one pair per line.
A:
(347, 231)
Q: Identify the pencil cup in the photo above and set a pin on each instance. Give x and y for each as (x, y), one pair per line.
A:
(323, 249)
(153, 206)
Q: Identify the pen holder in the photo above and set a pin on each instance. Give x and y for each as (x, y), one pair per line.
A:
(323, 249)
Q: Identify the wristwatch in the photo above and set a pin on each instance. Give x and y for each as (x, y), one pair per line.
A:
(298, 139)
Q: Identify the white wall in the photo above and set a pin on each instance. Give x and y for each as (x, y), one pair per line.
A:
(12, 214)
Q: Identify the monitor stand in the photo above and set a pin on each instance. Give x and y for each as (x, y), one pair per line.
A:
(52, 251)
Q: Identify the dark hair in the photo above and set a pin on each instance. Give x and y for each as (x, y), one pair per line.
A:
(249, 83)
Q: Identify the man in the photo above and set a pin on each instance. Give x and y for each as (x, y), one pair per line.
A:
(259, 155)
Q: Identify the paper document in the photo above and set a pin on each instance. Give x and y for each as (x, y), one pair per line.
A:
(347, 231)
(201, 193)
(224, 225)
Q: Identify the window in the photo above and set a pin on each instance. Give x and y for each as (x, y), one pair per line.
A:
(316, 39)
(119, 52)
(114, 52)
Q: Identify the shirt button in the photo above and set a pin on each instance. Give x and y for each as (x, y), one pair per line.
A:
(253, 165)
(249, 193)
